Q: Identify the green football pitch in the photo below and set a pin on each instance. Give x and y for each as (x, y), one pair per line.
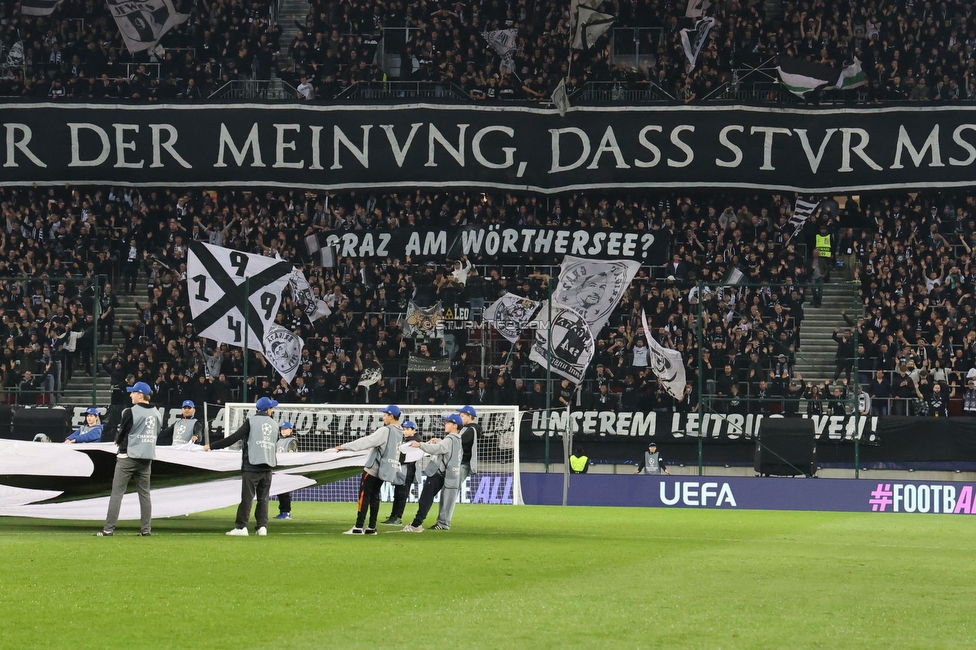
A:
(505, 577)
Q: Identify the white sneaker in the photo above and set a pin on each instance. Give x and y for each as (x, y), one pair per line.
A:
(354, 531)
(238, 532)
(262, 532)
(412, 529)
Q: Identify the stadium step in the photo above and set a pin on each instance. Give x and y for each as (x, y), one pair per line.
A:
(290, 11)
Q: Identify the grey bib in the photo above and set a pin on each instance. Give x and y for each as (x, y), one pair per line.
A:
(146, 423)
(262, 441)
(183, 431)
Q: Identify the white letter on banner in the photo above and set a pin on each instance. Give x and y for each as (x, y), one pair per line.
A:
(158, 145)
(708, 490)
(480, 157)
(725, 495)
(281, 146)
(121, 146)
(808, 150)
(647, 144)
(251, 144)
(970, 149)
(456, 154)
(584, 140)
(676, 141)
(316, 147)
(905, 142)
(14, 143)
(723, 139)
(76, 160)
(664, 495)
(768, 133)
(863, 140)
(689, 493)
(608, 145)
(362, 155)
(399, 155)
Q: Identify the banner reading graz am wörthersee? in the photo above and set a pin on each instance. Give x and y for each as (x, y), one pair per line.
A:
(508, 147)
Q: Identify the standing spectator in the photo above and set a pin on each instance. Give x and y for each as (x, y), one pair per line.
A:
(136, 439)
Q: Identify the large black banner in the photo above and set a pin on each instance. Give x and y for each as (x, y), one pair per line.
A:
(514, 148)
(516, 243)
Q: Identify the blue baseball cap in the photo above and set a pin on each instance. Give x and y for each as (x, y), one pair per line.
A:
(139, 387)
(286, 425)
(409, 424)
(188, 404)
(265, 403)
(469, 410)
(393, 410)
(92, 411)
(456, 419)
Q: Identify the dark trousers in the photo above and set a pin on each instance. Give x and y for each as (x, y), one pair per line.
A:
(284, 502)
(125, 469)
(401, 492)
(105, 327)
(369, 499)
(254, 484)
(432, 486)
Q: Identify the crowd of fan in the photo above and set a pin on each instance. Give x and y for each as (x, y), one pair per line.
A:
(917, 51)
(910, 255)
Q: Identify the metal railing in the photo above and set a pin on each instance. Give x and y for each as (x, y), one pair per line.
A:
(397, 90)
(633, 46)
(615, 92)
(255, 89)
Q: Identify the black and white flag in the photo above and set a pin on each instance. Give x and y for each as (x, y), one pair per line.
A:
(511, 314)
(283, 350)
(505, 43)
(39, 7)
(223, 283)
(423, 322)
(143, 22)
(590, 26)
(565, 345)
(697, 8)
(593, 288)
(694, 39)
(15, 55)
(560, 98)
(666, 364)
(802, 211)
(301, 292)
(370, 376)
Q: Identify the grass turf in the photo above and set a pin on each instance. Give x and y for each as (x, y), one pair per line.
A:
(504, 577)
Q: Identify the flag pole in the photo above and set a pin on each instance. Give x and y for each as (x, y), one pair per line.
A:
(246, 307)
(548, 373)
(700, 337)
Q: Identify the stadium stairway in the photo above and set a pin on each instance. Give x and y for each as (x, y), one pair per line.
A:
(815, 360)
(77, 392)
(289, 11)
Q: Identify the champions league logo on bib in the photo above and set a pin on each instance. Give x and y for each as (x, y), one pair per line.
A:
(283, 348)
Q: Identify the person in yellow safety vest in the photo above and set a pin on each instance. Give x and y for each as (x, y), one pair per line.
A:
(824, 243)
(578, 462)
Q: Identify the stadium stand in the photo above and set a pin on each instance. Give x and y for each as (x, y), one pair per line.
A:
(910, 254)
